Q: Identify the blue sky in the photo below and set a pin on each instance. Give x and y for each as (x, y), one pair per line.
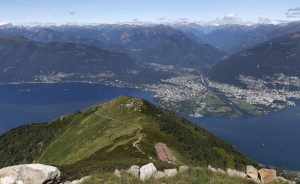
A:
(111, 11)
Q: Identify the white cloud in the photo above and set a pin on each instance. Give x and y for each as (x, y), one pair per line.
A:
(184, 19)
(161, 19)
(230, 16)
(293, 12)
(294, 9)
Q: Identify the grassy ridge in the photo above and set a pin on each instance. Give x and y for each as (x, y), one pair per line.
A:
(116, 134)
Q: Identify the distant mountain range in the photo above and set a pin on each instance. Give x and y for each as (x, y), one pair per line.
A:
(23, 60)
(234, 38)
(178, 50)
(183, 49)
(278, 55)
(186, 45)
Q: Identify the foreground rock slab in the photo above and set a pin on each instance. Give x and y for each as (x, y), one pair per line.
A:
(267, 175)
(147, 171)
(27, 174)
(232, 172)
(252, 173)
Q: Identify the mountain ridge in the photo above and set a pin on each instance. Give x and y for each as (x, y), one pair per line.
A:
(278, 55)
(107, 135)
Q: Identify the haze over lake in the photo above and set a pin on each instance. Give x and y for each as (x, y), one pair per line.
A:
(272, 139)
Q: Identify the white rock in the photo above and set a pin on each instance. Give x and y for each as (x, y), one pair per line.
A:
(159, 175)
(170, 172)
(134, 170)
(221, 171)
(212, 169)
(79, 181)
(252, 173)
(183, 168)
(232, 172)
(281, 179)
(147, 171)
(27, 174)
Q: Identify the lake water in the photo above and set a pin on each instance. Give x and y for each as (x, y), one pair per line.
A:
(273, 139)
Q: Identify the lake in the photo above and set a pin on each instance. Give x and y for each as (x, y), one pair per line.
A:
(273, 139)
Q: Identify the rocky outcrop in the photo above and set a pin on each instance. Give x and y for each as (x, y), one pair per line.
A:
(170, 172)
(147, 171)
(164, 153)
(232, 172)
(28, 174)
(267, 175)
(252, 173)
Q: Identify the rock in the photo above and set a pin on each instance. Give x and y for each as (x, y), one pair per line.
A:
(147, 171)
(79, 181)
(183, 168)
(221, 171)
(267, 175)
(28, 174)
(232, 172)
(211, 168)
(281, 179)
(170, 172)
(117, 173)
(134, 170)
(252, 173)
(159, 174)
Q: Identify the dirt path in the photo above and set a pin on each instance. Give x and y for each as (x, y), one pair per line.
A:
(138, 133)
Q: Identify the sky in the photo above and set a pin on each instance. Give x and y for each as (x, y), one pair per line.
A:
(139, 11)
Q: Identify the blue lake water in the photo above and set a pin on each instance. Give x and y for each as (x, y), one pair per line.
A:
(273, 139)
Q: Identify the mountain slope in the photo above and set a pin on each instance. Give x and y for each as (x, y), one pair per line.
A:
(279, 55)
(178, 50)
(116, 134)
(23, 60)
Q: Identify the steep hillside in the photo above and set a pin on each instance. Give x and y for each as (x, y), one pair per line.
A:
(116, 134)
(178, 50)
(23, 60)
(279, 55)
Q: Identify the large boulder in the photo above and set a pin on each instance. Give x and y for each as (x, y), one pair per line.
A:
(170, 172)
(134, 170)
(232, 172)
(267, 175)
(252, 173)
(28, 174)
(147, 171)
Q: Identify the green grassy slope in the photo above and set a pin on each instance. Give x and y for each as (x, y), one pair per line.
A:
(116, 134)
